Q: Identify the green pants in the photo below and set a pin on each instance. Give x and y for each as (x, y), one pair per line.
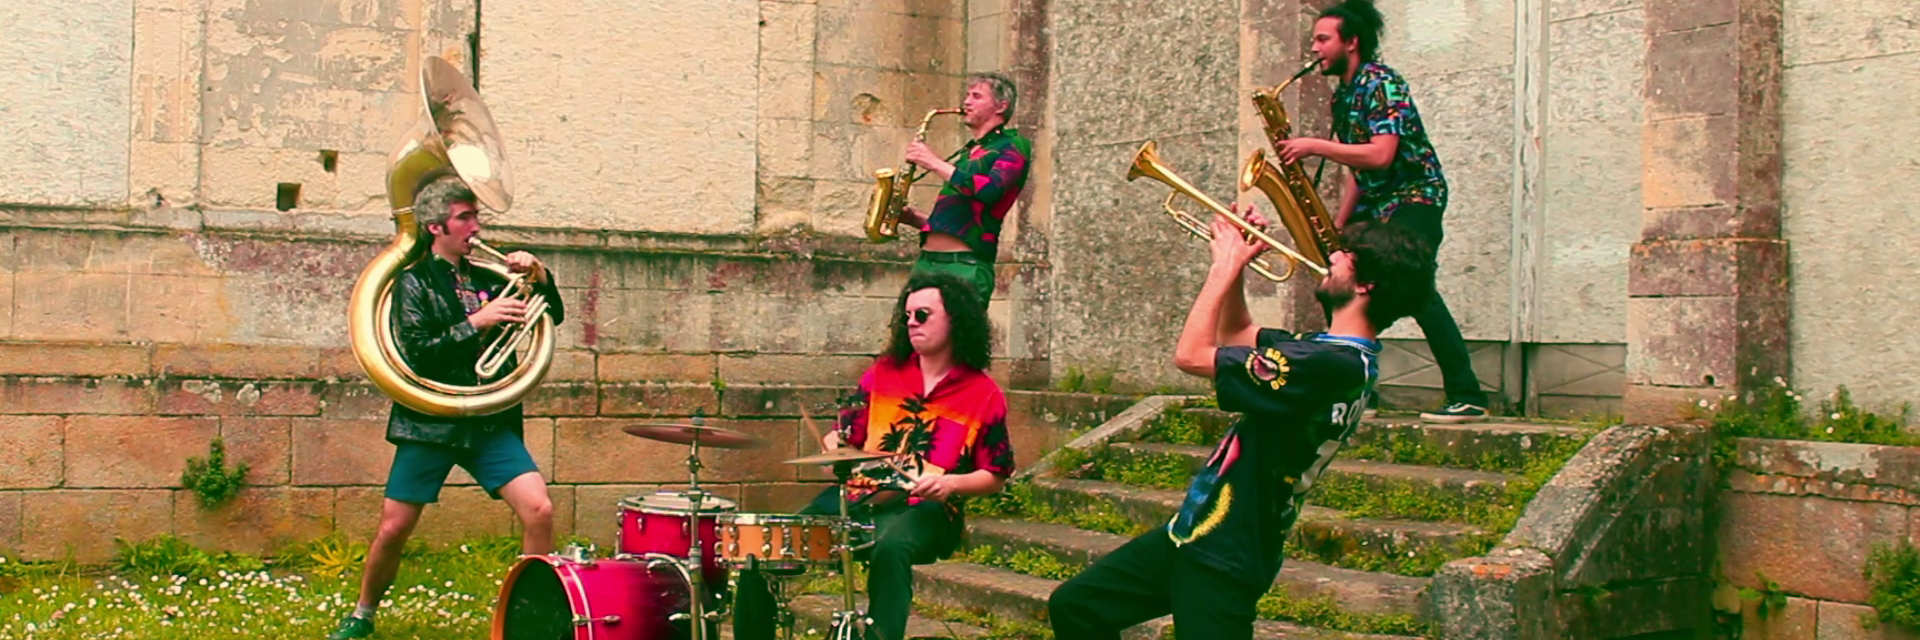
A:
(959, 263)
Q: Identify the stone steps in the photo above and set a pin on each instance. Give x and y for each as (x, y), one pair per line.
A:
(813, 615)
(1358, 591)
(1009, 594)
(1149, 508)
(1494, 445)
(1460, 483)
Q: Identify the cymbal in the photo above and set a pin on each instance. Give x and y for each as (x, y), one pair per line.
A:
(685, 433)
(842, 454)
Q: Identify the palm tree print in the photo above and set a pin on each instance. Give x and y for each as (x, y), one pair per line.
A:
(912, 433)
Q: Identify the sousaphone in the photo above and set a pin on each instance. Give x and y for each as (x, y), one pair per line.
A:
(455, 133)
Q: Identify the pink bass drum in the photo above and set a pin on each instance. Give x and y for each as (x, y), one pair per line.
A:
(561, 598)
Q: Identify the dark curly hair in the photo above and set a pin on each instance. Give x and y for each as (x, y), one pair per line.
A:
(1397, 261)
(1359, 19)
(972, 335)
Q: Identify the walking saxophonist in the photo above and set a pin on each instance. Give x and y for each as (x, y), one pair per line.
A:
(1395, 175)
(961, 235)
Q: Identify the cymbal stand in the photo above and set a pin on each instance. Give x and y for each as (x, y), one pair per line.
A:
(697, 614)
(848, 623)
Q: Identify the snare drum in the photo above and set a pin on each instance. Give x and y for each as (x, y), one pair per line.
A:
(662, 523)
(555, 598)
(777, 541)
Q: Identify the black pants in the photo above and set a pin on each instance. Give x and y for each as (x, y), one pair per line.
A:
(1443, 334)
(1145, 579)
(903, 536)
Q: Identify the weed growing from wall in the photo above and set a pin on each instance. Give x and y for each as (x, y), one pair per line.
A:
(1778, 412)
(1894, 572)
(210, 479)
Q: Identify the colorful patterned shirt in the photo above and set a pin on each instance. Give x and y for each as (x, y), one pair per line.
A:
(1377, 102)
(1300, 396)
(960, 427)
(987, 180)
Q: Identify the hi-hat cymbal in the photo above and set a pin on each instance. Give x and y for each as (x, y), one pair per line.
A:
(685, 433)
(842, 454)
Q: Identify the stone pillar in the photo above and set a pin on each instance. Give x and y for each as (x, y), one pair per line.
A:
(1707, 282)
(1275, 40)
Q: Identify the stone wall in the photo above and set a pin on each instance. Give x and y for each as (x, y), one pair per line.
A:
(131, 351)
(1806, 515)
(1616, 545)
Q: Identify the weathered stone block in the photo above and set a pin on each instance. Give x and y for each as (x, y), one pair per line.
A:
(84, 524)
(563, 399)
(1495, 598)
(656, 367)
(860, 36)
(218, 397)
(264, 444)
(657, 399)
(235, 361)
(1691, 162)
(32, 447)
(1668, 17)
(1833, 462)
(69, 359)
(133, 451)
(340, 452)
(1795, 622)
(572, 365)
(354, 401)
(70, 306)
(792, 369)
(1842, 621)
(656, 320)
(1683, 341)
(10, 522)
(1693, 73)
(259, 521)
(1811, 546)
(1714, 221)
(770, 401)
(786, 31)
(68, 396)
(1654, 404)
(786, 90)
(74, 108)
(1707, 268)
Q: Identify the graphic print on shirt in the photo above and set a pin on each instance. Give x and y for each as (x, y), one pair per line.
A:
(1203, 502)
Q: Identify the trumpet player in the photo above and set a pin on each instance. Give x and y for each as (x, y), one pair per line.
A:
(446, 310)
(1394, 174)
(961, 235)
(1299, 396)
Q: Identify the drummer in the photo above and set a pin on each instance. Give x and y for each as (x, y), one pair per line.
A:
(929, 400)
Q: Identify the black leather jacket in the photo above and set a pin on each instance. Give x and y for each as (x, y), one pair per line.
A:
(441, 345)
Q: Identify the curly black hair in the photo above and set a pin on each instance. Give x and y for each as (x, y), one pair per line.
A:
(1359, 19)
(1397, 261)
(972, 334)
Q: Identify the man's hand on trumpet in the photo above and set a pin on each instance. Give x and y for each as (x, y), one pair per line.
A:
(1231, 248)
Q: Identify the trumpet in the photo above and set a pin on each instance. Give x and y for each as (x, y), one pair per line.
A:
(513, 337)
(1146, 162)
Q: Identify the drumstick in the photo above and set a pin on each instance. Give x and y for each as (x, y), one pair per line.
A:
(818, 437)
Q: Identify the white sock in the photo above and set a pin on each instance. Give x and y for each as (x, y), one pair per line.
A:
(365, 612)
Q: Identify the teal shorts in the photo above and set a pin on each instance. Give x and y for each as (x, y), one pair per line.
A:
(959, 263)
(419, 470)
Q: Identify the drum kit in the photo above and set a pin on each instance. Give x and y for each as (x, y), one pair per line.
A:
(669, 575)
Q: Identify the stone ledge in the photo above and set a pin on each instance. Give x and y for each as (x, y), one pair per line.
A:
(1837, 463)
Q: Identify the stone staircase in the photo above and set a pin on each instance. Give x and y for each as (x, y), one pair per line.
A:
(1402, 499)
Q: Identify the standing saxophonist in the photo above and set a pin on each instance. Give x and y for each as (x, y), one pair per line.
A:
(1395, 175)
(445, 310)
(961, 236)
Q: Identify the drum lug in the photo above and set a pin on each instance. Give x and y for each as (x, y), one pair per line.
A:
(581, 621)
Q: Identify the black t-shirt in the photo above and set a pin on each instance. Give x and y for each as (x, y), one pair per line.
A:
(1300, 397)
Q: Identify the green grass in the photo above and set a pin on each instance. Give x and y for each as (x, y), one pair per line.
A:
(163, 589)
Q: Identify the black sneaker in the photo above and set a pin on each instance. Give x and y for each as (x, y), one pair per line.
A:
(1455, 413)
(352, 628)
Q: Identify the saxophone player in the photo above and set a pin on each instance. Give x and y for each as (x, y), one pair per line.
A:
(445, 309)
(1394, 174)
(961, 235)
